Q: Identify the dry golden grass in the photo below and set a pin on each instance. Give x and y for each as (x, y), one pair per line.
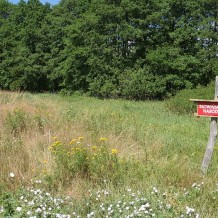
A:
(25, 139)
(28, 127)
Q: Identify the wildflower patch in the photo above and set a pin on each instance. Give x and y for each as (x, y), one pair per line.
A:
(95, 162)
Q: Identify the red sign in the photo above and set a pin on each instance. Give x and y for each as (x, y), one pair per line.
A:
(207, 108)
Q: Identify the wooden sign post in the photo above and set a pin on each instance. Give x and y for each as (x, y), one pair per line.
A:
(209, 108)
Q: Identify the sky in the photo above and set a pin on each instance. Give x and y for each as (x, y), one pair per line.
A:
(52, 2)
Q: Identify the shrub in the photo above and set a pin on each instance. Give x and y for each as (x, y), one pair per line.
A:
(181, 102)
(103, 87)
(141, 84)
(17, 121)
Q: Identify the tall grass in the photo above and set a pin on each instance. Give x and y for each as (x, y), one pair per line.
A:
(159, 148)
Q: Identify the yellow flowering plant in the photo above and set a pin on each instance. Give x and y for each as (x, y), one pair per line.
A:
(95, 162)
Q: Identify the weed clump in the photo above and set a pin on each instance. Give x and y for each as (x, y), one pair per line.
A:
(17, 121)
(93, 162)
(181, 103)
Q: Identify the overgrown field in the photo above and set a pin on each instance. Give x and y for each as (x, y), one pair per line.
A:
(84, 157)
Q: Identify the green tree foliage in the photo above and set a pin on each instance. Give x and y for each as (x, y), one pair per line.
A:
(24, 62)
(141, 49)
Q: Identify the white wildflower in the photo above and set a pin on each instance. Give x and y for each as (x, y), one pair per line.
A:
(193, 185)
(189, 210)
(147, 205)
(29, 212)
(38, 210)
(18, 209)
(155, 190)
(31, 203)
(90, 214)
(168, 206)
(11, 175)
(1, 209)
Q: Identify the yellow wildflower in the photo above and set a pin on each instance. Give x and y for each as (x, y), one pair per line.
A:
(57, 143)
(78, 149)
(55, 138)
(94, 147)
(81, 138)
(114, 151)
(73, 141)
(103, 139)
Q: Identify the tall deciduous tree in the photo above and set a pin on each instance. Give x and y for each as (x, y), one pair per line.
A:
(139, 49)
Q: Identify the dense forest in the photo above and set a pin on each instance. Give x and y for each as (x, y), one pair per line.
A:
(134, 49)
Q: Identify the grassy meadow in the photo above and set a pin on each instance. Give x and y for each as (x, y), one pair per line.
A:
(76, 156)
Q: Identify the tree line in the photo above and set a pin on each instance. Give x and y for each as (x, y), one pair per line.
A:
(134, 49)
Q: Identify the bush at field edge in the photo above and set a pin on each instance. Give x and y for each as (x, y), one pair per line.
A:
(181, 103)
